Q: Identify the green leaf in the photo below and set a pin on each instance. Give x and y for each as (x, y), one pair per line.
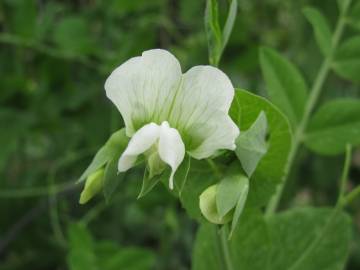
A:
(321, 29)
(113, 257)
(113, 147)
(85, 253)
(23, 18)
(251, 144)
(14, 126)
(309, 239)
(354, 15)
(285, 85)
(347, 59)
(213, 31)
(149, 183)
(229, 24)
(245, 109)
(81, 249)
(181, 175)
(72, 35)
(334, 125)
(112, 178)
(199, 178)
(249, 247)
(240, 204)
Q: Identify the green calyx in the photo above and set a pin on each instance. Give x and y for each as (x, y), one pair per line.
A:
(154, 163)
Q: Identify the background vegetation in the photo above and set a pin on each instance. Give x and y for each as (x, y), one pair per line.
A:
(55, 57)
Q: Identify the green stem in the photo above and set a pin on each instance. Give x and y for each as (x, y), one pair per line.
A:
(351, 196)
(13, 40)
(345, 174)
(310, 104)
(214, 167)
(46, 190)
(222, 234)
(35, 191)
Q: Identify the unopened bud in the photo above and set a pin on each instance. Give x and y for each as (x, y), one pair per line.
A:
(209, 209)
(93, 185)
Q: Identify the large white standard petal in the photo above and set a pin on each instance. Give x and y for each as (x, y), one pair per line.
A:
(144, 87)
(171, 149)
(151, 88)
(201, 109)
(141, 141)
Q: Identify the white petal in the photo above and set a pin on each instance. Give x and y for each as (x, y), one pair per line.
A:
(171, 149)
(222, 132)
(143, 88)
(201, 111)
(141, 141)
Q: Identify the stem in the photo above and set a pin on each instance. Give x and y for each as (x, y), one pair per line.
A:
(214, 167)
(46, 190)
(351, 196)
(345, 174)
(222, 234)
(14, 40)
(309, 106)
(35, 191)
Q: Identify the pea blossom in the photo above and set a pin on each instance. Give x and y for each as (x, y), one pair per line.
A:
(167, 113)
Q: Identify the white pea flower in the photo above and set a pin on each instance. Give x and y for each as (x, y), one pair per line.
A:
(167, 113)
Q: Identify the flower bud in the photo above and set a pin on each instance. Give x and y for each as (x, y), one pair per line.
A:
(209, 209)
(93, 185)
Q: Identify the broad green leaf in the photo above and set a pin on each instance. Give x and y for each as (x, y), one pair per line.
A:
(251, 144)
(213, 31)
(285, 85)
(334, 125)
(347, 59)
(321, 29)
(72, 35)
(113, 147)
(81, 249)
(199, 178)
(112, 257)
(354, 15)
(309, 239)
(23, 18)
(229, 22)
(245, 109)
(249, 247)
(85, 253)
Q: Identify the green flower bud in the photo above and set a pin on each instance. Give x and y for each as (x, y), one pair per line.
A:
(93, 185)
(209, 209)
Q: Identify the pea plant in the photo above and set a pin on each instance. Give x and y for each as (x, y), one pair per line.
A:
(226, 153)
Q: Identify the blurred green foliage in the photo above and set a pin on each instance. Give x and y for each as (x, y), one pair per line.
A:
(55, 57)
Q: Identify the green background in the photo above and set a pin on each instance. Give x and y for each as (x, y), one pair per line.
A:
(55, 57)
